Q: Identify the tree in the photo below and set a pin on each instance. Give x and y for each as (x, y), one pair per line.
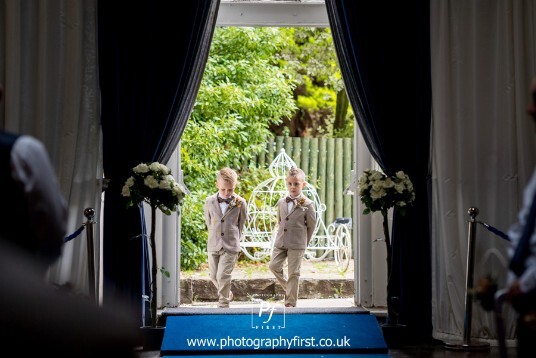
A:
(323, 108)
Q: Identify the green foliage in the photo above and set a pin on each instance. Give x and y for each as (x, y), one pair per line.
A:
(347, 131)
(194, 235)
(310, 53)
(344, 117)
(257, 82)
(242, 93)
(317, 97)
(249, 179)
(310, 57)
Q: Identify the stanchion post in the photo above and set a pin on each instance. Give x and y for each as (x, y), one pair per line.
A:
(473, 212)
(90, 215)
(466, 344)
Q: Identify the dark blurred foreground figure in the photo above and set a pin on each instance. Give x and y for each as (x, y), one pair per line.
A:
(38, 319)
(35, 316)
(33, 214)
(522, 252)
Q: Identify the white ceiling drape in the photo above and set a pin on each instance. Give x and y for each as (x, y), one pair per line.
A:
(484, 148)
(48, 65)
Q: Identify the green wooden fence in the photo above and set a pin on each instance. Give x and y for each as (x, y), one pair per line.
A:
(327, 162)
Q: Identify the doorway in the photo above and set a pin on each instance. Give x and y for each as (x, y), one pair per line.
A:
(368, 250)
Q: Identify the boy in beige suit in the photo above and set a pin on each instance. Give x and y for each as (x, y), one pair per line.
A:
(225, 216)
(296, 218)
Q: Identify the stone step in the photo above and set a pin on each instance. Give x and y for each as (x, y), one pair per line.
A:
(202, 289)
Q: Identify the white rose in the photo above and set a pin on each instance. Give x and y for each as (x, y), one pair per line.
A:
(388, 183)
(164, 184)
(154, 166)
(130, 182)
(399, 187)
(376, 175)
(167, 182)
(151, 182)
(363, 180)
(165, 169)
(126, 190)
(377, 186)
(160, 168)
(376, 194)
(176, 190)
(141, 168)
(401, 175)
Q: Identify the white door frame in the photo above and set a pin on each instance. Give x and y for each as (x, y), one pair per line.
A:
(370, 267)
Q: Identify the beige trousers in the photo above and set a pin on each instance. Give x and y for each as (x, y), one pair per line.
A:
(221, 264)
(290, 282)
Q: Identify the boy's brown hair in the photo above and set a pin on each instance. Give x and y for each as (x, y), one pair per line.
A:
(297, 173)
(227, 174)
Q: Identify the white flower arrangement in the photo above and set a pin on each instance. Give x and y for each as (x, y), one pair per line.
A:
(154, 184)
(380, 193)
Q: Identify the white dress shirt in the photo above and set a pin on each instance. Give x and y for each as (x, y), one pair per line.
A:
(290, 204)
(223, 207)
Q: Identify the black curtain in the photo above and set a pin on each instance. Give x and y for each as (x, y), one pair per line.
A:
(152, 56)
(383, 48)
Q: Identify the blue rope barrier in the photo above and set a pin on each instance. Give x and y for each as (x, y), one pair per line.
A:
(74, 234)
(495, 231)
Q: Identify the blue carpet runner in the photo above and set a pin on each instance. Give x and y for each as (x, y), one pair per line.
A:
(272, 331)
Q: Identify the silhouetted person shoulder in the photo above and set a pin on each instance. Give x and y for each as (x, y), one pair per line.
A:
(522, 252)
(37, 318)
(33, 214)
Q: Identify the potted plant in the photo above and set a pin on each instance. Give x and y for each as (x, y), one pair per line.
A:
(153, 184)
(380, 192)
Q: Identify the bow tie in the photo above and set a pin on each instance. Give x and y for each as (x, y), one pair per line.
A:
(228, 200)
(289, 199)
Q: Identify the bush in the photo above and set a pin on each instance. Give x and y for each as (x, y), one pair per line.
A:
(194, 234)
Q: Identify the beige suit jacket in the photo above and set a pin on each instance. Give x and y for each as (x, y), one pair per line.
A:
(225, 230)
(295, 228)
